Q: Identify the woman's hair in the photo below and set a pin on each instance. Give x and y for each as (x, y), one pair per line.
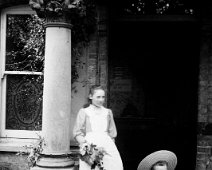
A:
(91, 92)
(95, 87)
(159, 163)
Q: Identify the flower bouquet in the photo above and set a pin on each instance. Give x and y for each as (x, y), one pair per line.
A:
(92, 155)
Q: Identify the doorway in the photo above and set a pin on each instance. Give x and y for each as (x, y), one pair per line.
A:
(153, 88)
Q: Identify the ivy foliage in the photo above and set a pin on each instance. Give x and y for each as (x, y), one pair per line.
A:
(25, 38)
(80, 13)
(158, 7)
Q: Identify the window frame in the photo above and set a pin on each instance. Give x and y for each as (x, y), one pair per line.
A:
(5, 133)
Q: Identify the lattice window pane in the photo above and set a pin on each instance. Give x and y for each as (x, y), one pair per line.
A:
(24, 102)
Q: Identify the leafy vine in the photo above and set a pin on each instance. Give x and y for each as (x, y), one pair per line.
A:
(26, 34)
(33, 151)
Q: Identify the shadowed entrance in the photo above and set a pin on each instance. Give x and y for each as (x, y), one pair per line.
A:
(157, 65)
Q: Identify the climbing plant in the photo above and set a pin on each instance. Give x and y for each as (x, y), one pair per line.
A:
(158, 7)
(26, 36)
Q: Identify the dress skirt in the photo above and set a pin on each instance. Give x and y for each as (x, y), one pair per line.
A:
(112, 159)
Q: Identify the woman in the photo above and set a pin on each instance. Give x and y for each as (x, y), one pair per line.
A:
(95, 124)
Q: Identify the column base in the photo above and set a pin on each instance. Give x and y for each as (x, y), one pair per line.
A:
(55, 162)
(61, 162)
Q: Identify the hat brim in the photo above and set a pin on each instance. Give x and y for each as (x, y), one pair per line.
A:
(162, 155)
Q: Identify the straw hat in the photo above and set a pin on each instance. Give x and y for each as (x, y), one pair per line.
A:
(162, 155)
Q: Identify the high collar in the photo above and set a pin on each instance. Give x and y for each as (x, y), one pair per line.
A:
(96, 107)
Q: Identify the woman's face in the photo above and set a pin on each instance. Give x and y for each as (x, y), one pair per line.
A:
(98, 97)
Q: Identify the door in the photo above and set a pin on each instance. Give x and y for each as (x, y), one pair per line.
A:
(153, 88)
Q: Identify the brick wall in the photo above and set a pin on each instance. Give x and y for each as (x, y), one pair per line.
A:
(98, 52)
(204, 136)
(204, 147)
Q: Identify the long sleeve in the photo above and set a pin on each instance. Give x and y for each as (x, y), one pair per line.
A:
(79, 129)
(112, 131)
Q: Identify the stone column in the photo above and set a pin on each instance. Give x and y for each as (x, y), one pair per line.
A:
(56, 120)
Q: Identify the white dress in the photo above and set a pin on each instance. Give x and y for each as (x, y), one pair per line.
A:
(98, 135)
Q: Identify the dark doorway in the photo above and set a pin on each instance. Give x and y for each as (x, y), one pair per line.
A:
(153, 88)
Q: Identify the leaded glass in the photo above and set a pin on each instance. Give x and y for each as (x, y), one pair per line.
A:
(24, 102)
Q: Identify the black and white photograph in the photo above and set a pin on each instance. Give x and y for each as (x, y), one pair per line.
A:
(105, 85)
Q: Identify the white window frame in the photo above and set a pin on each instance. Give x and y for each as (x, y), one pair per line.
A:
(5, 133)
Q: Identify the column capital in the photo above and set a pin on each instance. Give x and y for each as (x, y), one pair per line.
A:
(57, 10)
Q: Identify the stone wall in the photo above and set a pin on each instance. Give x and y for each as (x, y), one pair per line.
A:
(10, 161)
